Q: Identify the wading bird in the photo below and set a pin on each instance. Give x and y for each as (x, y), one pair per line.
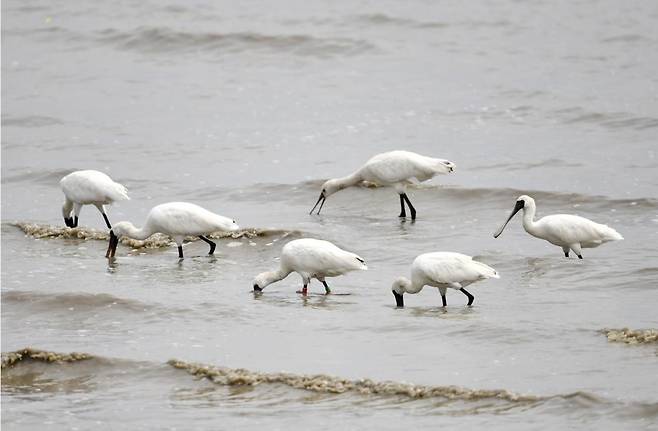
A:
(311, 258)
(395, 168)
(570, 232)
(443, 270)
(89, 188)
(176, 219)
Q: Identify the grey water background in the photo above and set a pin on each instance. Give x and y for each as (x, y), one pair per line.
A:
(245, 109)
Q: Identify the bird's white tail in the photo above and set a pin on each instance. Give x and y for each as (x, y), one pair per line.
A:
(609, 234)
(486, 271)
(119, 193)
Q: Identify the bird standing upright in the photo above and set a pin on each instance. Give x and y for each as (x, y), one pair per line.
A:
(568, 231)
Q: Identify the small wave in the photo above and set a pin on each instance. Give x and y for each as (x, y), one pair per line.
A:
(12, 358)
(48, 177)
(319, 383)
(610, 120)
(553, 163)
(30, 121)
(626, 38)
(160, 39)
(383, 19)
(557, 198)
(157, 240)
(630, 336)
(328, 384)
(55, 301)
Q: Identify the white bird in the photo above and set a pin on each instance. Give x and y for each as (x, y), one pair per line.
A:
(443, 270)
(89, 188)
(570, 232)
(395, 168)
(311, 258)
(176, 219)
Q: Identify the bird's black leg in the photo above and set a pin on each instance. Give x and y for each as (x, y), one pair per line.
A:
(470, 297)
(326, 287)
(107, 222)
(411, 207)
(180, 251)
(443, 298)
(403, 213)
(210, 243)
(68, 221)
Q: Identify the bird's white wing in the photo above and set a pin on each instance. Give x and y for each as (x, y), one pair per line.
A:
(572, 229)
(454, 268)
(91, 187)
(182, 218)
(398, 166)
(320, 257)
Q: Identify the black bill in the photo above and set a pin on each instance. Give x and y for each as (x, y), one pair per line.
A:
(321, 198)
(399, 301)
(518, 207)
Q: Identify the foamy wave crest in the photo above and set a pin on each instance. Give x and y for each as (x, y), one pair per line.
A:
(335, 385)
(12, 358)
(155, 241)
(630, 336)
(162, 39)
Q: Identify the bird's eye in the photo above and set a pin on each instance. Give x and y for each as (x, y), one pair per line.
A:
(324, 190)
(233, 221)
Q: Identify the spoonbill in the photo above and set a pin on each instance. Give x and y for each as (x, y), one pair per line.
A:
(442, 270)
(89, 188)
(176, 219)
(570, 232)
(311, 258)
(394, 168)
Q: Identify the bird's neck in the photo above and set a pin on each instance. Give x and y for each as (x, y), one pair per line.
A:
(412, 286)
(134, 232)
(349, 181)
(529, 219)
(66, 208)
(416, 284)
(274, 276)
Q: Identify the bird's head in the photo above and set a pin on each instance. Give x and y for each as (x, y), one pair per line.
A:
(398, 288)
(328, 188)
(261, 280)
(522, 202)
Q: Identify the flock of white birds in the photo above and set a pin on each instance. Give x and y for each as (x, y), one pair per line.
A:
(313, 258)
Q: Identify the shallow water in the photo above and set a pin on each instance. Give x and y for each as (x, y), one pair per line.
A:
(245, 111)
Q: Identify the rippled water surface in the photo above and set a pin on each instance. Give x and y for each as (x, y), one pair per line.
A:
(245, 109)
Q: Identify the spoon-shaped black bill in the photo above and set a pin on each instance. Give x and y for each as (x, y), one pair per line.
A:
(112, 248)
(321, 198)
(399, 301)
(517, 208)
